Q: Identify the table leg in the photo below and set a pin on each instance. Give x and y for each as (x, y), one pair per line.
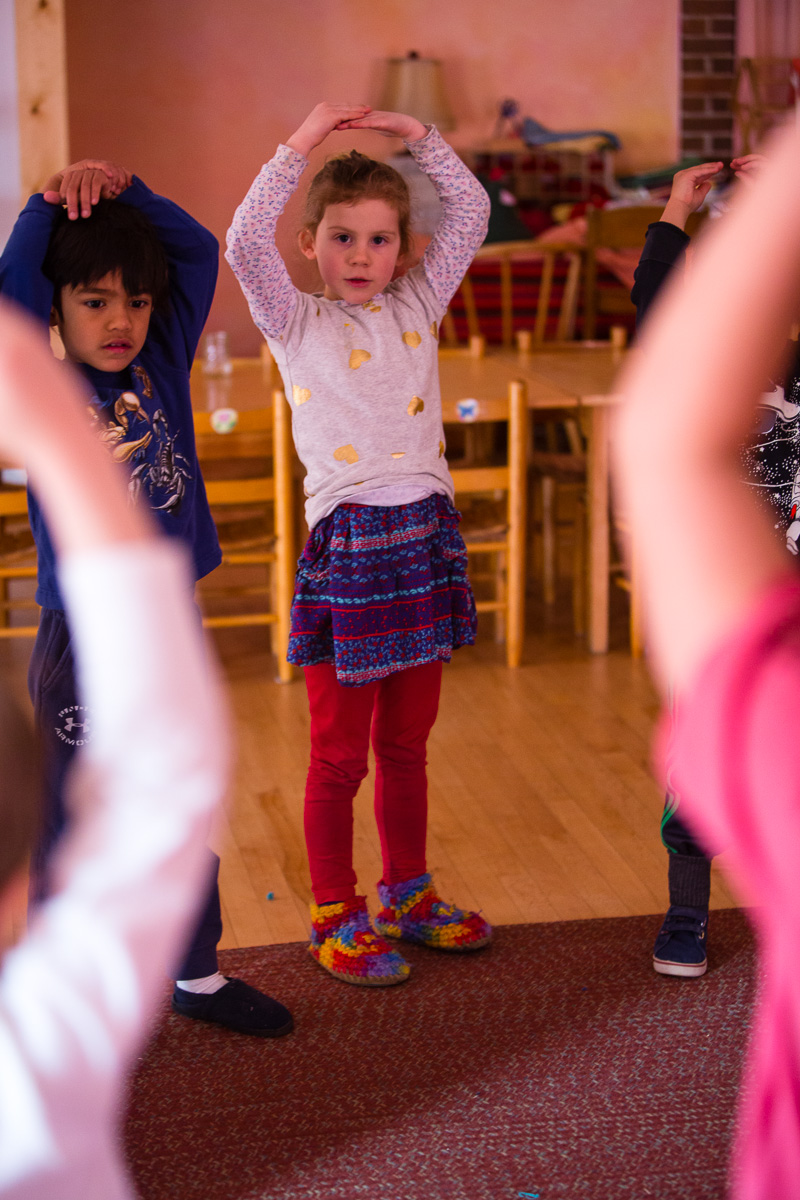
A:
(598, 529)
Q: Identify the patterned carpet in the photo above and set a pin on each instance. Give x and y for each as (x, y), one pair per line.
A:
(555, 1063)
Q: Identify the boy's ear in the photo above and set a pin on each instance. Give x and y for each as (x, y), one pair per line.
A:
(305, 240)
(53, 317)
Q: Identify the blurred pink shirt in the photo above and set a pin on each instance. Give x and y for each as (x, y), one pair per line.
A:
(735, 761)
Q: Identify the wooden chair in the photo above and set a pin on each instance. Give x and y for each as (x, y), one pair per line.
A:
(541, 315)
(616, 229)
(492, 498)
(248, 474)
(17, 559)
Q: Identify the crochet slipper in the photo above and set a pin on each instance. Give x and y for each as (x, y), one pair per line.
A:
(344, 943)
(414, 911)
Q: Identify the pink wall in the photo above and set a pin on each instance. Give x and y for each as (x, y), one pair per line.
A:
(194, 95)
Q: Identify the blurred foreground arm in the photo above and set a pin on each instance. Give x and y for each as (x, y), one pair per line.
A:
(689, 395)
(77, 993)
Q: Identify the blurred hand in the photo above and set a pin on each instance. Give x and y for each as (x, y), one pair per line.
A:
(748, 166)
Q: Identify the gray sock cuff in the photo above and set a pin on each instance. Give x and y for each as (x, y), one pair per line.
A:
(689, 880)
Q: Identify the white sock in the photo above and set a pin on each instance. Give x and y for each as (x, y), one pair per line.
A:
(206, 985)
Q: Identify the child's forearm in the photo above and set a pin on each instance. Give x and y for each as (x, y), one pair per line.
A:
(702, 547)
(465, 217)
(184, 239)
(252, 254)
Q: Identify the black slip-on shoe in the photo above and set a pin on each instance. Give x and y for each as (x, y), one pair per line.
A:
(237, 1006)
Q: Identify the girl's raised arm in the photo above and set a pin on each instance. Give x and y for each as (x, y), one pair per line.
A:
(704, 550)
(252, 253)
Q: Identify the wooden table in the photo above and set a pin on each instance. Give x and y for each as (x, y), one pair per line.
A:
(566, 378)
(571, 377)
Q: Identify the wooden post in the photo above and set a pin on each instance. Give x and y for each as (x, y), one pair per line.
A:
(599, 531)
(507, 300)
(42, 91)
(282, 458)
(518, 490)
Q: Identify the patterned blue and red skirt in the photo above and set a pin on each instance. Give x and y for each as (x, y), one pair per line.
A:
(382, 589)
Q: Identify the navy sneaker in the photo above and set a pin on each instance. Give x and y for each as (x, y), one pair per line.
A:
(237, 1006)
(680, 947)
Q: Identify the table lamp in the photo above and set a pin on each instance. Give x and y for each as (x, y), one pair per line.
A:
(414, 85)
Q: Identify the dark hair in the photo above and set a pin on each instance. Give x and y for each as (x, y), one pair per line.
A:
(20, 786)
(115, 238)
(352, 177)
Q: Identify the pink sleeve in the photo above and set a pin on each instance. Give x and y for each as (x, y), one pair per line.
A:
(736, 760)
(465, 218)
(736, 754)
(252, 253)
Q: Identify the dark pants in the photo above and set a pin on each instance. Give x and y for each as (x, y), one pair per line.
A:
(689, 869)
(65, 725)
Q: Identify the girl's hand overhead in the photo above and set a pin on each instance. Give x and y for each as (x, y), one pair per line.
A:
(391, 124)
(321, 121)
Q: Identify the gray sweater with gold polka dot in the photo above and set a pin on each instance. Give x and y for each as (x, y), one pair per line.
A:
(362, 379)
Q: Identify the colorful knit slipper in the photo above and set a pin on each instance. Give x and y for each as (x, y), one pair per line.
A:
(414, 911)
(344, 943)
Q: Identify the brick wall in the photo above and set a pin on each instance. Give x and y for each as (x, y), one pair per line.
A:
(708, 50)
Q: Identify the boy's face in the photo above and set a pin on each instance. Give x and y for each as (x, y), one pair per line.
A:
(356, 247)
(101, 325)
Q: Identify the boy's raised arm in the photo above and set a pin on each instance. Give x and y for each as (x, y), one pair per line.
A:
(193, 256)
(691, 389)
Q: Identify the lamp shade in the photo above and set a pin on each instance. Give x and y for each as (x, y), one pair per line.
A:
(414, 86)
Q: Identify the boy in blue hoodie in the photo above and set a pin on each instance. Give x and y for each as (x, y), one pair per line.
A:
(127, 277)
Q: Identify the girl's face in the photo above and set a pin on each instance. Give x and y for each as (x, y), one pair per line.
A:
(356, 247)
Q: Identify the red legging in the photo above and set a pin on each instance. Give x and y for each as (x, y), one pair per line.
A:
(401, 710)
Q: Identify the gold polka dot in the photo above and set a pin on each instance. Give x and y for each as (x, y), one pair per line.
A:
(346, 454)
(370, 307)
(435, 330)
(412, 339)
(416, 404)
(441, 449)
(300, 395)
(400, 454)
(357, 357)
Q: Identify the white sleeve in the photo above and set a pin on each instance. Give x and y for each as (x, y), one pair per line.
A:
(76, 994)
(465, 215)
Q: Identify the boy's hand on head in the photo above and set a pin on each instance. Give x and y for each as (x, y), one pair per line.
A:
(391, 124)
(689, 189)
(321, 121)
(81, 185)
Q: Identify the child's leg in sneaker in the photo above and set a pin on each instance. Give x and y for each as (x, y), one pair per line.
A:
(680, 947)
